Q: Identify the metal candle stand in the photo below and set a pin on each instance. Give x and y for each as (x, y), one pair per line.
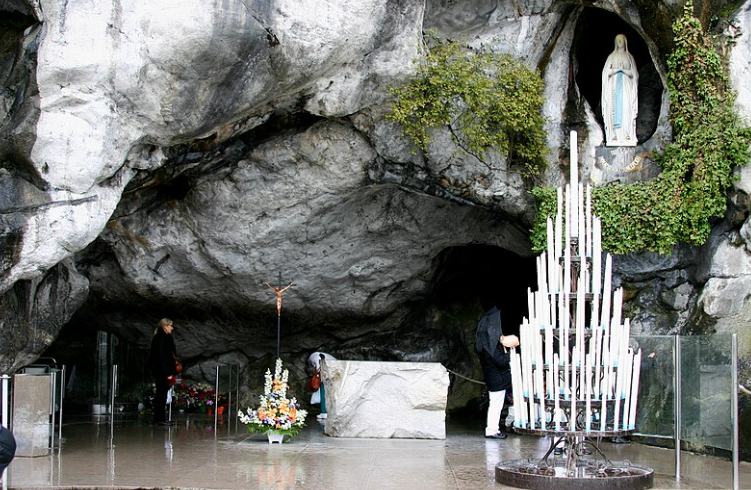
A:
(575, 379)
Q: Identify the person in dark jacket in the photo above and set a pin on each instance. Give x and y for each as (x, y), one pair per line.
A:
(162, 363)
(492, 348)
(7, 448)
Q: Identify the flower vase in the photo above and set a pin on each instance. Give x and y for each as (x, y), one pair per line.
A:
(209, 411)
(275, 436)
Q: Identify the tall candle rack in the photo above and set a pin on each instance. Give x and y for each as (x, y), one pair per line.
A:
(575, 377)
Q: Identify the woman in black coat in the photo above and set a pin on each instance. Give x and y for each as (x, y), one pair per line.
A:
(162, 363)
(492, 349)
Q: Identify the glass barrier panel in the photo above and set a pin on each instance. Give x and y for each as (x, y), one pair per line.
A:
(706, 387)
(655, 411)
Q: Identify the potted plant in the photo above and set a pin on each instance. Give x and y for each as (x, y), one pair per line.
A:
(277, 415)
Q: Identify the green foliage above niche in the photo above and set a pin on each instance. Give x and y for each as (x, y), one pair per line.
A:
(487, 100)
(709, 140)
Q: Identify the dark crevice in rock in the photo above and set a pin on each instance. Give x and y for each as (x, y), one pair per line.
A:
(19, 110)
(657, 19)
(16, 7)
(189, 161)
(566, 14)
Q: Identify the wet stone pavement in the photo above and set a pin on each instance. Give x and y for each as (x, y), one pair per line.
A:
(193, 455)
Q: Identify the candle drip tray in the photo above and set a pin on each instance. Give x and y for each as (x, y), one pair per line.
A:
(573, 462)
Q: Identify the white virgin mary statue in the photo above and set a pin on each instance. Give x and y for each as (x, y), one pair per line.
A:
(620, 103)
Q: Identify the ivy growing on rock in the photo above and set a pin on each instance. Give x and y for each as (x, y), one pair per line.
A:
(697, 167)
(487, 100)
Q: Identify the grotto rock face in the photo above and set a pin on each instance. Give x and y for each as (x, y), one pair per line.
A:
(287, 206)
(170, 160)
(32, 313)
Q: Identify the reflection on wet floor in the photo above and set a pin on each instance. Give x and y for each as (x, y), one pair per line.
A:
(192, 454)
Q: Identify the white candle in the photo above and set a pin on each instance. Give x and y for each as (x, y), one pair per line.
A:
(567, 245)
(574, 381)
(605, 313)
(556, 394)
(549, 348)
(566, 391)
(574, 183)
(588, 221)
(523, 334)
(566, 345)
(558, 253)
(606, 364)
(588, 392)
(620, 372)
(597, 334)
(627, 387)
(530, 304)
(515, 386)
(551, 257)
(634, 391)
(580, 219)
(561, 319)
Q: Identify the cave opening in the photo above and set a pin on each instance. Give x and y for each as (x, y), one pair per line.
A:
(483, 276)
(593, 41)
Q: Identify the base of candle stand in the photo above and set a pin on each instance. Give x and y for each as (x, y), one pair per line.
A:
(616, 476)
(576, 467)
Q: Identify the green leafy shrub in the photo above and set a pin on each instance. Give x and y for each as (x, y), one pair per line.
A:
(488, 101)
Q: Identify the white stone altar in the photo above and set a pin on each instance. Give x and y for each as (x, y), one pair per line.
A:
(385, 399)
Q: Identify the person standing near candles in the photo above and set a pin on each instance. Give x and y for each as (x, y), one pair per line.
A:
(492, 348)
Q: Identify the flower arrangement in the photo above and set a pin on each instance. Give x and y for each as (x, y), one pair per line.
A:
(194, 397)
(276, 413)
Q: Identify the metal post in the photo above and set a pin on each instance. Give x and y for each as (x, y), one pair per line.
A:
(112, 407)
(53, 392)
(4, 390)
(734, 409)
(279, 322)
(237, 395)
(62, 395)
(112, 391)
(216, 400)
(278, 334)
(229, 399)
(677, 408)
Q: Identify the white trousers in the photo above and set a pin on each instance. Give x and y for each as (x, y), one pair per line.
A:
(495, 407)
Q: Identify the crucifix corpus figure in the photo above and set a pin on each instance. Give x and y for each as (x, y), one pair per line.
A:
(279, 293)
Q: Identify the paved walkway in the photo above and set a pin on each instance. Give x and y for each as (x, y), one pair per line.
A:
(193, 455)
